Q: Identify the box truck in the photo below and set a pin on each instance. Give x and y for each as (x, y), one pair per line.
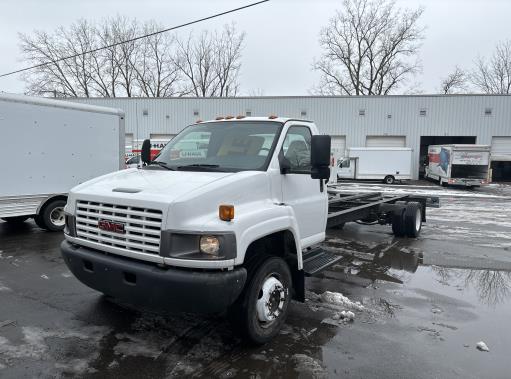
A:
(231, 223)
(49, 147)
(462, 165)
(389, 164)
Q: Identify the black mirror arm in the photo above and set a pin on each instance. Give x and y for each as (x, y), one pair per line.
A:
(284, 163)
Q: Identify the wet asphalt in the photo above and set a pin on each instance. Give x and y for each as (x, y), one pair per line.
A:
(425, 304)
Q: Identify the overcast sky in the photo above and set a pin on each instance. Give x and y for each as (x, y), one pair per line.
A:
(282, 35)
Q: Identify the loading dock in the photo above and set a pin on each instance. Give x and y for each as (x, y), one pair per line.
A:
(501, 159)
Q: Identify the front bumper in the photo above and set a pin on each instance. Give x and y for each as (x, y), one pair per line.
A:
(147, 285)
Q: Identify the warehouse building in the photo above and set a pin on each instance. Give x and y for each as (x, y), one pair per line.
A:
(408, 121)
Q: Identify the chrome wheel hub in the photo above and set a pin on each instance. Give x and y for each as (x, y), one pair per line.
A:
(57, 216)
(271, 301)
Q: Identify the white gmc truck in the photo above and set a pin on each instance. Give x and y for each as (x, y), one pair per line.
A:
(227, 217)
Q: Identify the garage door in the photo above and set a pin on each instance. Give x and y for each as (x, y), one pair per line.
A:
(385, 141)
(129, 140)
(338, 146)
(501, 148)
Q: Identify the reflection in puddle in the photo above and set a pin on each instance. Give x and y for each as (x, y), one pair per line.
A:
(390, 262)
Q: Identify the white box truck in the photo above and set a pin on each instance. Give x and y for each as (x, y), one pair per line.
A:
(50, 146)
(389, 164)
(461, 165)
(231, 223)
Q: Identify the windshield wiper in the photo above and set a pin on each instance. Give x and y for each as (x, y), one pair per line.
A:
(161, 164)
(200, 167)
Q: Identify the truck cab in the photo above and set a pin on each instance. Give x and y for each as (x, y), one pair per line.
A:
(219, 220)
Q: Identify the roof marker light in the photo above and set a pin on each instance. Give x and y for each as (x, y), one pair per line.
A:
(272, 117)
(198, 121)
(219, 118)
(239, 117)
(229, 117)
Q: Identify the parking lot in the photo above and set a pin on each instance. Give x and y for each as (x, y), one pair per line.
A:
(423, 306)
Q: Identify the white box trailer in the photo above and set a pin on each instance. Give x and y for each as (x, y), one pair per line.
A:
(50, 146)
(389, 164)
(465, 165)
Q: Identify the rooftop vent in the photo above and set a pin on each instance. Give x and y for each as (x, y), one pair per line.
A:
(488, 111)
(361, 112)
(145, 112)
(195, 112)
(423, 112)
(303, 113)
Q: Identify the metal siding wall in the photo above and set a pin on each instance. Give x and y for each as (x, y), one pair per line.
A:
(446, 115)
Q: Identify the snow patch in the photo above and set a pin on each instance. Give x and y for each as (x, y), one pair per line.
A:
(34, 346)
(481, 346)
(76, 367)
(130, 345)
(337, 298)
(310, 366)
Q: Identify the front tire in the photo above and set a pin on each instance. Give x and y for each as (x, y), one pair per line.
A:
(389, 179)
(265, 305)
(52, 216)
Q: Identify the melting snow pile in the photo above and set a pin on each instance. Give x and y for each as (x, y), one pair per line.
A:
(341, 300)
(482, 346)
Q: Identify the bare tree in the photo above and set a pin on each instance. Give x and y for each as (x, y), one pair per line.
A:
(369, 48)
(156, 66)
(228, 48)
(494, 76)
(156, 73)
(210, 63)
(455, 82)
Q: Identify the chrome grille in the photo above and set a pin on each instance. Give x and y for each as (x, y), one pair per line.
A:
(142, 226)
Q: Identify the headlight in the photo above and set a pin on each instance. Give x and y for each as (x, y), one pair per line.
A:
(209, 245)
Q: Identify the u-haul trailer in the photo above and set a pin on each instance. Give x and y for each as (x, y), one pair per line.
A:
(50, 147)
(461, 165)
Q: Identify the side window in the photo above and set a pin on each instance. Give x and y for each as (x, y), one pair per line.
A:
(296, 148)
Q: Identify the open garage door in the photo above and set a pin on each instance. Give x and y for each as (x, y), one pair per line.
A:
(501, 159)
(385, 141)
(338, 147)
(426, 141)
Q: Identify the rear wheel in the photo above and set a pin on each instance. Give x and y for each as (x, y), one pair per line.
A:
(265, 305)
(15, 219)
(52, 216)
(413, 219)
(389, 179)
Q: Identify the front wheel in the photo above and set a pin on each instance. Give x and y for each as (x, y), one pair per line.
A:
(52, 216)
(389, 179)
(264, 308)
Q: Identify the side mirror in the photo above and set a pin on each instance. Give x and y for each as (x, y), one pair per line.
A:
(320, 157)
(146, 151)
(284, 163)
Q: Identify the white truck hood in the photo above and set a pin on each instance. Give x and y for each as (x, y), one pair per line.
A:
(162, 185)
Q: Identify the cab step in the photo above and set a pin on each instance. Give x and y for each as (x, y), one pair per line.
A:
(317, 260)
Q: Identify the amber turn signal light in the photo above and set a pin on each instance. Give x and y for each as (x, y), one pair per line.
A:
(226, 212)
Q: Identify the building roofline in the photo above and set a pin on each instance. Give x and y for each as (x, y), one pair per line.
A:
(292, 97)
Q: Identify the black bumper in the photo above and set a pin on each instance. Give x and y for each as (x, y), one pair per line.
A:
(147, 285)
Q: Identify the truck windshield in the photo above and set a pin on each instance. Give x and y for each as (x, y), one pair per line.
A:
(222, 146)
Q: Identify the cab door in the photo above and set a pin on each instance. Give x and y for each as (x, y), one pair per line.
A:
(308, 199)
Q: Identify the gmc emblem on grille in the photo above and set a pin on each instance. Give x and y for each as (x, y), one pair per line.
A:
(111, 226)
